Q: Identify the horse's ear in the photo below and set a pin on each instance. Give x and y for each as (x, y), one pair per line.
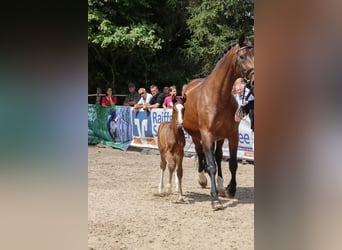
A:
(241, 40)
(174, 99)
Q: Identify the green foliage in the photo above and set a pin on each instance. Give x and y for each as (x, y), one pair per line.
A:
(111, 26)
(214, 25)
(115, 28)
(160, 41)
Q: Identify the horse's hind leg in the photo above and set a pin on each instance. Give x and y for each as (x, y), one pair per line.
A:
(233, 145)
(208, 149)
(218, 157)
(202, 179)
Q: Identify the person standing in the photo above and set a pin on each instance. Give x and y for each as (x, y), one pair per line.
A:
(109, 100)
(245, 100)
(133, 97)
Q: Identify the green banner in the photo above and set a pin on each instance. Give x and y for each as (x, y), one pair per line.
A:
(110, 126)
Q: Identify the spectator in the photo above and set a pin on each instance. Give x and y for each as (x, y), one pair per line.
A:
(145, 98)
(166, 91)
(245, 100)
(109, 100)
(133, 97)
(234, 89)
(157, 98)
(167, 104)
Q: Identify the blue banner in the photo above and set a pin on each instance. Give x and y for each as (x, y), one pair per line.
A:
(121, 127)
(142, 126)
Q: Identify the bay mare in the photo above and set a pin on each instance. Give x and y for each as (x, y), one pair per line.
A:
(209, 109)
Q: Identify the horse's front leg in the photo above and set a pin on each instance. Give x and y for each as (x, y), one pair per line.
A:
(233, 145)
(202, 179)
(179, 178)
(208, 149)
(172, 167)
(218, 157)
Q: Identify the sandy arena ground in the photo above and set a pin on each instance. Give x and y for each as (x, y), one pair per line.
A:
(126, 212)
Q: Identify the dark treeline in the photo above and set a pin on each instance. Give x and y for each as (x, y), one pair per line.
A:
(165, 42)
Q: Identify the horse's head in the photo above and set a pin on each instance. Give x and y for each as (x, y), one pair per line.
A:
(245, 61)
(177, 110)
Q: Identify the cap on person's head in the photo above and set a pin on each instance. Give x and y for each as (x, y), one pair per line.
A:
(130, 85)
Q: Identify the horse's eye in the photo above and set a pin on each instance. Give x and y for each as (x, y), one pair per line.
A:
(242, 57)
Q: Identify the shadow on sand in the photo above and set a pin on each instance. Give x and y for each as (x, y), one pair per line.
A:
(244, 195)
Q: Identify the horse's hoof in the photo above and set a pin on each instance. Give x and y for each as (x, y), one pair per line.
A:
(231, 192)
(216, 205)
(181, 199)
(231, 196)
(202, 180)
(203, 184)
(222, 193)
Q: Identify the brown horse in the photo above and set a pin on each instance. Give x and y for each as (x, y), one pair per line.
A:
(202, 180)
(171, 142)
(209, 109)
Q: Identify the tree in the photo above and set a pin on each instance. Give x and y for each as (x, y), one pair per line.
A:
(165, 42)
(115, 29)
(214, 25)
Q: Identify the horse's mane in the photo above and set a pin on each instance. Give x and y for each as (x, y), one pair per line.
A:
(225, 51)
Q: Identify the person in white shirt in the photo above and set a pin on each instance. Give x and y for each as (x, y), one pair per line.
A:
(240, 96)
(145, 98)
(247, 106)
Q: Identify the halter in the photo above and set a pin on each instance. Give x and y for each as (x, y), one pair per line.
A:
(246, 73)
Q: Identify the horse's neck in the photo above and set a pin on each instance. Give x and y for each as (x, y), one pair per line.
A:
(222, 78)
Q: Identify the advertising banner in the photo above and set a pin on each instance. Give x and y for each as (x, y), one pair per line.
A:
(121, 127)
(109, 125)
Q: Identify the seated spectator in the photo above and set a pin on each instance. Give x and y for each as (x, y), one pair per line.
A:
(157, 98)
(109, 100)
(145, 98)
(133, 97)
(167, 104)
(166, 91)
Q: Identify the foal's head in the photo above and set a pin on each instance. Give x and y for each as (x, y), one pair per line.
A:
(245, 61)
(177, 111)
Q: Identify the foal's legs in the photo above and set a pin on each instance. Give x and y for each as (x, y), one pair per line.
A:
(162, 169)
(172, 166)
(233, 145)
(179, 177)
